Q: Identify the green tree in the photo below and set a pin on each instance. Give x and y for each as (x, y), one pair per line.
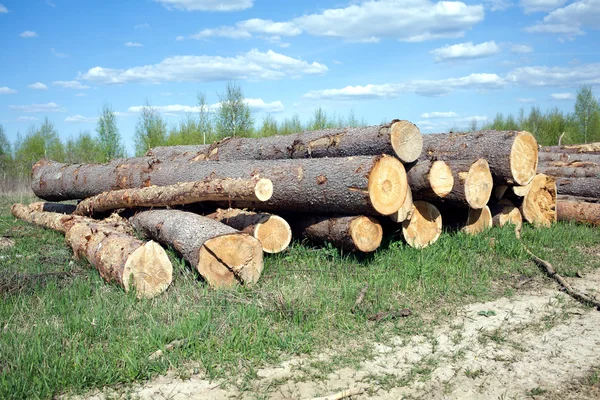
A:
(269, 126)
(84, 149)
(233, 117)
(150, 130)
(292, 125)
(319, 120)
(109, 138)
(42, 142)
(5, 154)
(205, 124)
(587, 114)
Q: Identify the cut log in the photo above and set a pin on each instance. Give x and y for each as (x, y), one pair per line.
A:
(178, 194)
(505, 213)
(222, 255)
(568, 157)
(473, 183)
(351, 233)
(539, 204)
(405, 212)
(565, 197)
(579, 187)
(587, 213)
(574, 148)
(273, 232)
(59, 208)
(512, 155)
(574, 169)
(400, 138)
(353, 185)
(424, 226)
(429, 179)
(478, 221)
(117, 256)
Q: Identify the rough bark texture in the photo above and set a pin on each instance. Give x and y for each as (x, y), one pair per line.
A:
(574, 169)
(429, 180)
(178, 194)
(424, 226)
(221, 254)
(473, 183)
(539, 204)
(400, 138)
(353, 185)
(579, 187)
(118, 257)
(569, 157)
(565, 197)
(587, 213)
(351, 233)
(512, 155)
(573, 149)
(273, 232)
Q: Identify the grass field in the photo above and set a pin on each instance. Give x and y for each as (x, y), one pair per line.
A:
(64, 330)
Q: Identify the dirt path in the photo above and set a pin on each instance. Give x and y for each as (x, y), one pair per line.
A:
(533, 345)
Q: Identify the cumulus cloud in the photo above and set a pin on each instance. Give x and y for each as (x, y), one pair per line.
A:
(78, 119)
(133, 44)
(3, 9)
(253, 65)
(466, 51)
(570, 20)
(520, 49)
(531, 6)
(562, 96)
(7, 90)
(255, 105)
(38, 86)
(58, 54)
(436, 114)
(207, 5)
(39, 108)
(26, 118)
(70, 85)
(245, 29)
(28, 34)
(584, 74)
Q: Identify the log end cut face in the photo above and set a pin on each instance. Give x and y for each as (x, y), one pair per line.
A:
(387, 185)
(263, 189)
(478, 221)
(407, 141)
(510, 215)
(539, 204)
(274, 233)
(424, 226)
(366, 233)
(227, 260)
(148, 270)
(524, 158)
(479, 184)
(405, 211)
(440, 178)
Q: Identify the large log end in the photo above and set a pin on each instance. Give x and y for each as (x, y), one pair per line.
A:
(524, 158)
(440, 178)
(478, 184)
(478, 221)
(227, 260)
(424, 226)
(539, 204)
(407, 141)
(366, 233)
(148, 270)
(263, 189)
(387, 185)
(274, 234)
(505, 213)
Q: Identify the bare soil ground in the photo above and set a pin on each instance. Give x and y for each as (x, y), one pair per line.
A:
(537, 344)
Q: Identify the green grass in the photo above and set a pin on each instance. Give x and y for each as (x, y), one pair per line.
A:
(72, 332)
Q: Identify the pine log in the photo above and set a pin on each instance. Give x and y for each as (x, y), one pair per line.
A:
(569, 157)
(579, 187)
(424, 226)
(574, 169)
(60, 208)
(351, 233)
(222, 255)
(473, 183)
(405, 212)
(178, 194)
(429, 180)
(273, 232)
(565, 197)
(504, 213)
(478, 221)
(573, 149)
(539, 204)
(400, 138)
(512, 156)
(587, 213)
(353, 185)
(118, 256)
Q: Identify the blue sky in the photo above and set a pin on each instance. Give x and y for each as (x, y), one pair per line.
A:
(438, 64)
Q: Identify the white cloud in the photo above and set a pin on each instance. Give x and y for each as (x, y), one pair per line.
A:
(584, 74)
(70, 85)
(80, 119)
(531, 6)
(57, 54)
(39, 108)
(133, 44)
(121, 114)
(79, 94)
(498, 5)
(255, 105)
(26, 118)
(28, 34)
(3, 9)
(466, 50)
(253, 65)
(7, 90)
(437, 114)
(245, 29)
(562, 96)
(258, 105)
(520, 49)
(571, 19)
(179, 38)
(526, 100)
(444, 124)
(477, 81)
(51, 4)
(38, 86)
(207, 5)
(174, 108)
(142, 26)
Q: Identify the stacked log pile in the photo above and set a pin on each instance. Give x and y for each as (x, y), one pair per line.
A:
(222, 206)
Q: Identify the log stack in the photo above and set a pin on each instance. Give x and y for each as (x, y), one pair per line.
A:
(221, 206)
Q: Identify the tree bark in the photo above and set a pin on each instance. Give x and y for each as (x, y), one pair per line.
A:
(587, 213)
(117, 256)
(351, 233)
(400, 138)
(573, 149)
(429, 180)
(579, 187)
(570, 170)
(539, 204)
(473, 183)
(546, 157)
(273, 232)
(511, 155)
(424, 226)
(181, 193)
(353, 185)
(222, 255)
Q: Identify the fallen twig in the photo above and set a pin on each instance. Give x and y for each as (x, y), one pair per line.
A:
(549, 269)
(405, 312)
(341, 395)
(173, 345)
(360, 298)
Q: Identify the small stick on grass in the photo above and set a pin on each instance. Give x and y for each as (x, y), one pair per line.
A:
(405, 312)
(341, 395)
(175, 344)
(360, 298)
(549, 269)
